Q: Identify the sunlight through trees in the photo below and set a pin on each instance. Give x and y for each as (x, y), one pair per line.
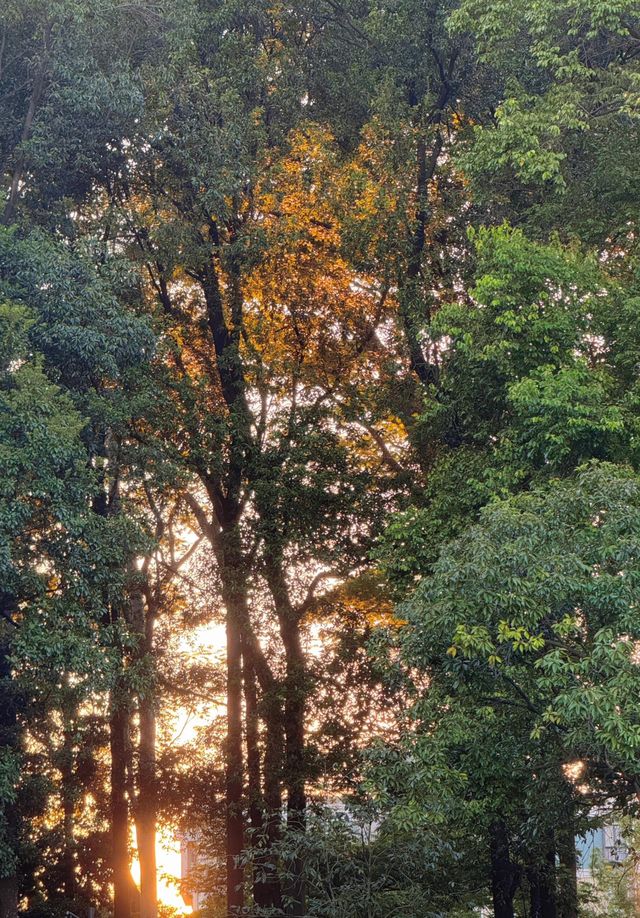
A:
(319, 533)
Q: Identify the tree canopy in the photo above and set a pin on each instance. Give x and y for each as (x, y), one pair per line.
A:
(318, 453)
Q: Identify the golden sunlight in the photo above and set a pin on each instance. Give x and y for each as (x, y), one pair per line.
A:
(168, 861)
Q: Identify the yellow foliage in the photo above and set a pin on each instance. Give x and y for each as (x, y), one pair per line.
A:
(310, 314)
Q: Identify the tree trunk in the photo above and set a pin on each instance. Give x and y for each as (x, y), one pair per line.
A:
(126, 898)
(226, 507)
(294, 730)
(146, 815)
(241, 639)
(234, 770)
(568, 874)
(542, 889)
(503, 872)
(68, 803)
(414, 308)
(9, 897)
(273, 759)
(9, 816)
(294, 714)
(235, 600)
(227, 503)
(34, 101)
(256, 804)
(146, 802)
(295, 696)
(265, 800)
(125, 892)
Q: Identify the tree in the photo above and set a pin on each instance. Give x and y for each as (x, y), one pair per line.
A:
(262, 260)
(49, 581)
(527, 624)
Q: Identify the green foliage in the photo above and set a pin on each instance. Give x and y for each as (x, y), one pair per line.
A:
(530, 386)
(454, 492)
(522, 640)
(563, 417)
(546, 584)
(531, 314)
(610, 893)
(77, 321)
(149, 371)
(357, 859)
(570, 97)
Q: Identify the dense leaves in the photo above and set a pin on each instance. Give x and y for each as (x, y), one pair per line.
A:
(319, 350)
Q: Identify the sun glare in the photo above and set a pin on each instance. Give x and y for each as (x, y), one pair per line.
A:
(207, 641)
(168, 862)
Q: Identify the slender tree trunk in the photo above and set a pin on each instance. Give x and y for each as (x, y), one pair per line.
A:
(34, 101)
(68, 803)
(235, 600)
(226, 507)
(256, 804)
(68, 867)
(9, 897)
(125, 891)
(503, 873)
(294, 714)
(273, 760)
(542, 889)
(541, 894)
(146, 803)
(146, 816)
(548, 885)
(234, 770)
(265, 799)
(9, 816)
(294, 729)
(414, 309)
(126, 899)
(227, 501)
(568, 875)
(226, 544)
